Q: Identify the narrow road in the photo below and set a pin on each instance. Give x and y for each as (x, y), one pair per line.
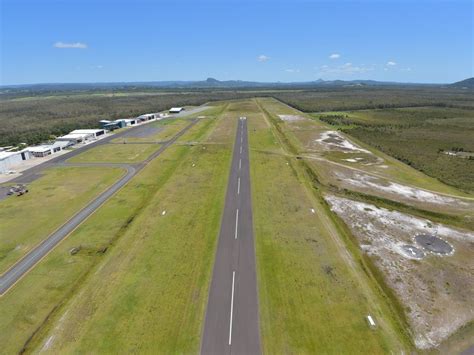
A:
(21, 267)
(232, 322)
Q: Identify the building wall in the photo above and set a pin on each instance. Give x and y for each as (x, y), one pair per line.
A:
(10, 162)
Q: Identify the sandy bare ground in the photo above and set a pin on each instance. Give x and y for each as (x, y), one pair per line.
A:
(399, 191)
(290, 118)
(333, 140)
(436, 290)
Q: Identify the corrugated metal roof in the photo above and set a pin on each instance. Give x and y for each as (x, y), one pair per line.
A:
(4, 155)
(80, 131)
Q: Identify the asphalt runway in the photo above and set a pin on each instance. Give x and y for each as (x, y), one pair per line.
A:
(232, 323)
(20, 268)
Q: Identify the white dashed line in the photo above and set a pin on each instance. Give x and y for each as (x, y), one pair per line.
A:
(236, 223)
(231, 308)
(238, 186)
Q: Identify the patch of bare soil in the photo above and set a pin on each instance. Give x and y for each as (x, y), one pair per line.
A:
(399, 192)
(428, 265)
(333, 140)
(291, 118)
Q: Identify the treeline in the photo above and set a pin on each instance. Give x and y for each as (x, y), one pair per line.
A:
(35, 119)
(345, 99)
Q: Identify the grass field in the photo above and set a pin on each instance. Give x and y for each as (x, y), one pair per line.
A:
(128, 238)
(51, 200)
(310, 300)
(155, 294)
(116, 153)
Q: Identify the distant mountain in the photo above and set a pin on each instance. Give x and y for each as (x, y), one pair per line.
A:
(209, 83)
(466, 83)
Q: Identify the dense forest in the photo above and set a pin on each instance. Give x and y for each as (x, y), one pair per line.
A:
(35, 117)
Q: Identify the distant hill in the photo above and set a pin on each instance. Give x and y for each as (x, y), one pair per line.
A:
(466, 83)
(210, 83)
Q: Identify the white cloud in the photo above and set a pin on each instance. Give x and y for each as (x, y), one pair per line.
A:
(334, 56)
(345, 69)
(76, 45)
(391, 63)
(405, 69)
(292, 70)
(262, 58)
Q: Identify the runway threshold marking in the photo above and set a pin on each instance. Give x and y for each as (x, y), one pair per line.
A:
(231, 308)
(236, 223)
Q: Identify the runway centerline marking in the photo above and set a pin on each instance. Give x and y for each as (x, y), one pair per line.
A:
(231, 308)
(240, 164)
(240, 149)
(236, 223)
(238, 186)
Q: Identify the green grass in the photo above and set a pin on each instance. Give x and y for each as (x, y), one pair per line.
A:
(155, 294)
(51, 200)
(127, 239)
(116, 153)
(310, 301)
(59, 276)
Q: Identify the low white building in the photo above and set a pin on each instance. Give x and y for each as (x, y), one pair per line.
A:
(9, 160)
(131, 121)
(176, 109)
(44, 150)
(93, 132)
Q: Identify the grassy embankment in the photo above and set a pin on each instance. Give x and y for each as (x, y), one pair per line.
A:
(51, 200)
(313, 297)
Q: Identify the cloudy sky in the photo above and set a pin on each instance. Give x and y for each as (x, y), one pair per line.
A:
(261, 40)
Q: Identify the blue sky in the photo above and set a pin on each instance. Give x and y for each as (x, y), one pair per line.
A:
(144, 40)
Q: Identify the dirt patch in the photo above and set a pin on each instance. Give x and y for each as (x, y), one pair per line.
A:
(291, 118)
(398, 191)
(333, 140)
(433, 287)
